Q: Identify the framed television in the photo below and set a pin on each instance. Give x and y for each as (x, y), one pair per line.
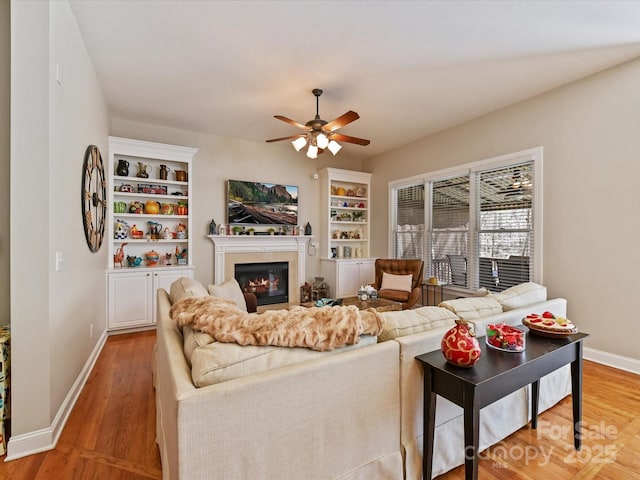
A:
(259, 203)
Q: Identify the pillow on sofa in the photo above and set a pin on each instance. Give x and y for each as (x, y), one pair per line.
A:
(396, 282)
(407, 322)
(229, 290)
(471, 308)
(521, 295)
(186, 287)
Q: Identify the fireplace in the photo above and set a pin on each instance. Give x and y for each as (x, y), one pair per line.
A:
(269, 281)
(230, 250)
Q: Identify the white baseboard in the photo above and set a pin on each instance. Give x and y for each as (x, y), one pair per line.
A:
(46, 439)
(612, 360)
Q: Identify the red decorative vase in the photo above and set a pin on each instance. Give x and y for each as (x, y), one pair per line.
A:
(460, 346)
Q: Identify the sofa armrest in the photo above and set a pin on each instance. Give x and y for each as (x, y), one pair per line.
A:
(305, 413)
(252, 302)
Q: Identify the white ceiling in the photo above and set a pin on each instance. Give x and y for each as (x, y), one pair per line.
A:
(409, 68)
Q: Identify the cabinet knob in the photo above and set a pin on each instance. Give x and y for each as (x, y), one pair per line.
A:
(148, 274)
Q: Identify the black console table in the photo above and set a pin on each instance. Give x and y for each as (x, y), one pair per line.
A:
(496, 375)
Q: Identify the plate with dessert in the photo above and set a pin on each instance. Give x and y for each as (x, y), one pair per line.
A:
(505, 337)
(549, 325)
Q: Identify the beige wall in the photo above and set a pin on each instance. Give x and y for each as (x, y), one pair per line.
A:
(51, 126)
(222, 158)
(5, 96)
(589, 131)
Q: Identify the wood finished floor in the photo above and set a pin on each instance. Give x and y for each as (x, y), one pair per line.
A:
(111, 432)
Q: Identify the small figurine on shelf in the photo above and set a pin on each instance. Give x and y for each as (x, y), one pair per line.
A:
(181, 256)
(167, 257)
(213, 229)
(133, 261)
(118, 257)
(181, 231)
(136, 233)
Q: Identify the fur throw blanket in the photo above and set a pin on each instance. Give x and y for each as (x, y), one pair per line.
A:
(317, 328)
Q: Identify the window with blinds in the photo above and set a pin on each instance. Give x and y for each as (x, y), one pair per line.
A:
(449, 230)
(505, 226)
(408, 231)
(475, 228)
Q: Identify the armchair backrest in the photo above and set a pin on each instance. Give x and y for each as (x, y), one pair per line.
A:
(399, 267)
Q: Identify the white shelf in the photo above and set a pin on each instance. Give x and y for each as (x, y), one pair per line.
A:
(154, 181)
(148, 215)
(153, 196)
(145, 240)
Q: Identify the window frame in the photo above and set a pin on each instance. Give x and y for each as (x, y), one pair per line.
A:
(534, 155)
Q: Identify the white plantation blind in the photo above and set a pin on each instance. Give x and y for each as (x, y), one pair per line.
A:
(477, 227)
(448, 230)
(505, 225)
(408, 232)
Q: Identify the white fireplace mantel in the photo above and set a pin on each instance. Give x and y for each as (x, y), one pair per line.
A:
(258, 244)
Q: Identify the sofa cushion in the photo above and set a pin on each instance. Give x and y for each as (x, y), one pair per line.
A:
(407, 322)
(217, 362)
(521, 295)
(194, 339)
(186, 287)
(471, 308)
(229, 290)
(396, 282)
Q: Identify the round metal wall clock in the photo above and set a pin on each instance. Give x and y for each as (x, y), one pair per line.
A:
(94, 198)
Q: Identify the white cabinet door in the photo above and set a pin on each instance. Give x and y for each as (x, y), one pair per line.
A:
(348, 279)
(367, 271)
(130, 300)
(351, 274)
(164, 279)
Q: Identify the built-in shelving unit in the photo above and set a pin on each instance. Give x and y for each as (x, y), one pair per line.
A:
(133, 200)
(344, 240)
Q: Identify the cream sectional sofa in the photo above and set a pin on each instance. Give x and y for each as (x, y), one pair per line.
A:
(351, 414)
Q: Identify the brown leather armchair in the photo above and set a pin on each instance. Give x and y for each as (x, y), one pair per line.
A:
(400, 267)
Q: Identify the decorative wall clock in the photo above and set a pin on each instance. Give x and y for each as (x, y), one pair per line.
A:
(94, 198)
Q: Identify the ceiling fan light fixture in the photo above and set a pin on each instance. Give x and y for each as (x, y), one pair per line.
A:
(312, 152)
(318, 133)
(322, 141)
(334, 147)
(299, 143)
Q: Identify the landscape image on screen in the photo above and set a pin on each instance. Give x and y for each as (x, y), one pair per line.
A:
(262, 203)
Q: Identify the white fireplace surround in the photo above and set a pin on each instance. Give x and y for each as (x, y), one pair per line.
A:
(232, 249)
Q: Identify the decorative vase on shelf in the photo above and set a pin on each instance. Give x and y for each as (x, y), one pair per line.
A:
(460, 346)
(123, 168)
(307, 229)
(319, 289)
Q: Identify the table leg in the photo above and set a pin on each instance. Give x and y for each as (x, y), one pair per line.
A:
(535, 389)
(428, 424)
(576, 396)
(471, 433)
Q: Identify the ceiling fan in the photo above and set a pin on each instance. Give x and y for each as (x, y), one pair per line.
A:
(319, 134)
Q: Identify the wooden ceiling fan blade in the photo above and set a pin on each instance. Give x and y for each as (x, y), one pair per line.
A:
(291, 122)
(341, 121)
(290, 137)
(346, 138)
